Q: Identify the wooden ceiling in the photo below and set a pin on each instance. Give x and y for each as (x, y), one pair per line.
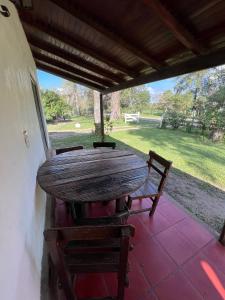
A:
(115, 44)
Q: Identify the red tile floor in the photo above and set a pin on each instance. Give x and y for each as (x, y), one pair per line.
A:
(174, 258)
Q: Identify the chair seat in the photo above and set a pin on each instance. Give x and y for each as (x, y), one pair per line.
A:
(93, 262)
(148, 189)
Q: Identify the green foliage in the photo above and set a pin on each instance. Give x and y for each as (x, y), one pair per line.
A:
(108, 125)
(135, 99)
(176, 108)
(215, 110)
(54, 106)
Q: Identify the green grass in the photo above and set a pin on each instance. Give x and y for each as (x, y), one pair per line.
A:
(88, 123)
(189, 152)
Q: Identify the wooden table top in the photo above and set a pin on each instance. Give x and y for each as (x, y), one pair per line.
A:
(92, 175)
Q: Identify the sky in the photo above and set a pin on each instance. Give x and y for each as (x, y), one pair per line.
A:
(49, 81)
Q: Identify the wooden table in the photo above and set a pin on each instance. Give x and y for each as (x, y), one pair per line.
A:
(92, 175)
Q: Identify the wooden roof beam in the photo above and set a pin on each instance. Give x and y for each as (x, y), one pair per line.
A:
(195, 64)
(71, 69)
(75, 43)
(50, 48)
(77, 12)
(179, 31)
(68, 76)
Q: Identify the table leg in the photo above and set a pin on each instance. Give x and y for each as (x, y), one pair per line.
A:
(78, 211)
(120, 204)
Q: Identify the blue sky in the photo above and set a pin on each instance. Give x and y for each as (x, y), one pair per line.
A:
(49, 81)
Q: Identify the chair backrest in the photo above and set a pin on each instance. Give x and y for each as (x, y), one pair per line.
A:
(161, 166)
(58, 239)
(68, 149)
(104, 144)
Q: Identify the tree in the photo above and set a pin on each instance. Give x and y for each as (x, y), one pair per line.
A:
(115, 106)
(70, 91)
(135, 99)
(97, 113)
(176, 108)
(215, 114)
(54, 106)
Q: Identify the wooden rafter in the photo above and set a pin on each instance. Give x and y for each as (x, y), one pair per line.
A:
(50, 48)
(71, 69)
(75, 43)
(76, 11)
(198, 63)
(177, 28)
(68, 76)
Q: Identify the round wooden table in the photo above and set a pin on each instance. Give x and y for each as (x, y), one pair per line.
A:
(92, 175)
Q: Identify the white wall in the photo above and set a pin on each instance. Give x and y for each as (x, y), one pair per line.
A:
(22, 202)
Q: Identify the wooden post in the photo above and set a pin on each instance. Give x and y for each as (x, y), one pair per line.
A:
(102, 118)
(222, 235)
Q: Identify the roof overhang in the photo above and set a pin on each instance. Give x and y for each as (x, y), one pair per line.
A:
(112, 45)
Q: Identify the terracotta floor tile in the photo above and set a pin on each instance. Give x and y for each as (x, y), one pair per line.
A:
(90, 285)
(141, 232)
(169, 236)
(194, 231)
(176, 286)
(154, 224)
(206, 278)
(171, 212)
(139, 286)
(154, 261)
(176, 244)
(216, 253)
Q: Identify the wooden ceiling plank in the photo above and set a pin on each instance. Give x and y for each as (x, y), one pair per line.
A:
(109, 33)
(75, 43)
(177, 28)
(70, 57)
(71, 69)
(198, 63)
(68, 76)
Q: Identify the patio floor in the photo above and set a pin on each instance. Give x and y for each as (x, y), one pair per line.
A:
(174, 257)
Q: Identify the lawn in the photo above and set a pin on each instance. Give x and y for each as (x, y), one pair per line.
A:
(88, 123)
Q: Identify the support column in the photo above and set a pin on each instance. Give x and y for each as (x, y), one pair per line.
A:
(222, 235)
(102, 118)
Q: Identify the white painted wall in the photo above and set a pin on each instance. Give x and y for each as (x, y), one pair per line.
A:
(22, 202)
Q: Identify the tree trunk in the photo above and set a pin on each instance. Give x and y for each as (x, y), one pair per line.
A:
(115, 104)
(97, 114)
(217, 135)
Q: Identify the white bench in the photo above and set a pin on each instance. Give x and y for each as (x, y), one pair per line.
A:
(132, 117)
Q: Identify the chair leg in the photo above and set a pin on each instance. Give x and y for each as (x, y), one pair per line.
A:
(154, 205)
(129, 202)
(52, 281)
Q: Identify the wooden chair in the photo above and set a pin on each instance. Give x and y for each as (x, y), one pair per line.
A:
(88, 249)
(148, 189)
(68, 149)
(104, 144)
(68, 205)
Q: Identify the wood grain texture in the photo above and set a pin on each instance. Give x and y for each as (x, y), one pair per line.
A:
(92, 175)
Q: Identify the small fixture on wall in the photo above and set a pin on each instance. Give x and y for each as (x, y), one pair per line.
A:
(26, 138)
(4, 11)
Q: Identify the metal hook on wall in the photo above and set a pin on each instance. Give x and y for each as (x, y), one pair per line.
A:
(4, 11)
